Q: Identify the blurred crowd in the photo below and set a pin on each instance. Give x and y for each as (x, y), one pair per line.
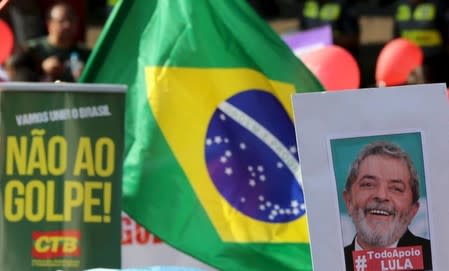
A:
(417, 52)
(49, 35)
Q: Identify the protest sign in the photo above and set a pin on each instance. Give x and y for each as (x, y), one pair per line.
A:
(141, 248)
(374, 170)
(61, 165)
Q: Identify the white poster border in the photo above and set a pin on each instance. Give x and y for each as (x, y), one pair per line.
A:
(320, 117)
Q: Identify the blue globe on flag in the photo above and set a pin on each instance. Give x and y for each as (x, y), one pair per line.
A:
(252, 158)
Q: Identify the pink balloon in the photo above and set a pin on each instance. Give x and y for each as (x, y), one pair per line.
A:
(397, 59)
(334, 66)
(7, 41)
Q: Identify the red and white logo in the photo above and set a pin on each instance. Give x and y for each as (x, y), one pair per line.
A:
(391, 259)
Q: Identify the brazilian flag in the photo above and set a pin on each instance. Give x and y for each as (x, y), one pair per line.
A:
(211, 163)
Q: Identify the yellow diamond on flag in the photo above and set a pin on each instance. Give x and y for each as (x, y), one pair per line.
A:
(243, 194)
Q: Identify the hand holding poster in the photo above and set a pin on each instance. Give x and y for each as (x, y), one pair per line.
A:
(61, 155)
(381, 165)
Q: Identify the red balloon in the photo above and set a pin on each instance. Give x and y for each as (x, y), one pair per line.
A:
(334, 66)
(397, 59)
(6, 41)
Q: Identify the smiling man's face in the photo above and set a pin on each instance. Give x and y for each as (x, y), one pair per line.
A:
(380, 201)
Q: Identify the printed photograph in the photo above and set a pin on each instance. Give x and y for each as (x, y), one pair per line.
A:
(381, 188)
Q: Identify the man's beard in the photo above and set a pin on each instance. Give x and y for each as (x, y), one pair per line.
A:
(381, 234)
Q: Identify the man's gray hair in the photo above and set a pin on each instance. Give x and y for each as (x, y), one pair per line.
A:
(389, 149)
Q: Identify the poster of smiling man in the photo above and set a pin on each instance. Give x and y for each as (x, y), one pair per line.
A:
(380, 183)
(374, 177)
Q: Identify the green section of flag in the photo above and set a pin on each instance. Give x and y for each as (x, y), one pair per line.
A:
(194, 34)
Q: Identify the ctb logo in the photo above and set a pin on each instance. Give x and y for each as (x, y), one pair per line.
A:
(55, 244)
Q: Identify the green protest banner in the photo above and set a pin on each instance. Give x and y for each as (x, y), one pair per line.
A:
(61, 148)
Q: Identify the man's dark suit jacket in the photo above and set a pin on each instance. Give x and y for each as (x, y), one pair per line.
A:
(408, 239)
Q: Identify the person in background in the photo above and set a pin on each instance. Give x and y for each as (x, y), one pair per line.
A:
(336, 13)
(426, 23)
(58, 55)
(17, 68)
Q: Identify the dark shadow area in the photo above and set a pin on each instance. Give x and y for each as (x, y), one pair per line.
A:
(368, 9)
